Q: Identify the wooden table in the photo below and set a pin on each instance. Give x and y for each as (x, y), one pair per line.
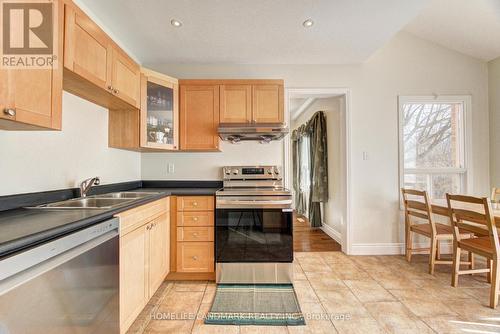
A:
(440, 207)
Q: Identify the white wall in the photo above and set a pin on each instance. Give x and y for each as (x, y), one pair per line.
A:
(407, 65)
(48, 160)
(494, 96)
(207, 166)
(334, 209)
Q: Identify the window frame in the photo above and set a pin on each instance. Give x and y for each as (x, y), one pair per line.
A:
(465, 145)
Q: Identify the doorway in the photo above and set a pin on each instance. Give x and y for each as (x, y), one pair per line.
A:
(302, 105)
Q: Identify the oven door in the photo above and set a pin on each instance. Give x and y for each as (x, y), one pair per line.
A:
(254, 229)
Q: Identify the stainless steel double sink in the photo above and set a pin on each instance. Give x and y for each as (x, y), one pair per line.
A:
(104, 201)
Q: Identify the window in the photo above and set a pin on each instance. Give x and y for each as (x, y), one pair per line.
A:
(432, 144)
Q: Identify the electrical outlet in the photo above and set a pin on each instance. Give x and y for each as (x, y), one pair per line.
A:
(365, 155)
(170, 168)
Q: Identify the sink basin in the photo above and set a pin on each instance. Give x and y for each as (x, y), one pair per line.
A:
(86, 203)
(126, 194)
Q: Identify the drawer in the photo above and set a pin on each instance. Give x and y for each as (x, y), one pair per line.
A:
(195, 257)
(131, 219)
(195, 218)
(195, 203)
(191, 233)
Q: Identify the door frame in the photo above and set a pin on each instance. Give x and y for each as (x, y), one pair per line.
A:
(346, 232)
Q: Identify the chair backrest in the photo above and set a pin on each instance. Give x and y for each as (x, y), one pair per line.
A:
(472, 214)
(416, 203)
(495, 195)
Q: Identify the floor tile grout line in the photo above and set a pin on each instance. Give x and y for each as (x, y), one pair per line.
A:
(199, 307)
(317, 296)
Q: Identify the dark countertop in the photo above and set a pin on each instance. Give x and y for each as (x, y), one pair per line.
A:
(21, 228)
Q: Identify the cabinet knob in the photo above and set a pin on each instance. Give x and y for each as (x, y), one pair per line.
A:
(195, 219)
(195, 258)
(110, 87)
(195, 234)
(10, 112)
(195, 203)
(115, 91)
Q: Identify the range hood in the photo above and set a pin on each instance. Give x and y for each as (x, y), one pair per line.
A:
(263, 133)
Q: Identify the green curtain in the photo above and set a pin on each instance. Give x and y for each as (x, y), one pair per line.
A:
(297, 138)
(315, 129)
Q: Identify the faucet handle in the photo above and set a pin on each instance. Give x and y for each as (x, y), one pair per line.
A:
(97, 181)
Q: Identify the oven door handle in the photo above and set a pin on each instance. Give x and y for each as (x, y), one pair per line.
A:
(247, 204)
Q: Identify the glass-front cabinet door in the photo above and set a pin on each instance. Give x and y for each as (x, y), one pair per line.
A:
(159, 111)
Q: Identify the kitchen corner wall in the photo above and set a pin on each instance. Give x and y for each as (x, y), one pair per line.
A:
(49, 160)
(207, 166)
(494, 96)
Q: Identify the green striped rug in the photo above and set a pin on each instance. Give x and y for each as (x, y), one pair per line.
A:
(249, 304)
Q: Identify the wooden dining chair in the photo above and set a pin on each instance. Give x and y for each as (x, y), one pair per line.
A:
(474, 214)
(417, 206)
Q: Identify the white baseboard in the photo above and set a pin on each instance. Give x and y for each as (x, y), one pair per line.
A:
(392, 248)
(334, 234)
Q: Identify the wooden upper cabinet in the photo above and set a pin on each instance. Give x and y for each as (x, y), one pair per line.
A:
(125, 78)
(267, 104)
(199, 117)
(87, 49)
(95, 67)
(235, 103)
(31, 99)
(159, 124)
(156, 126)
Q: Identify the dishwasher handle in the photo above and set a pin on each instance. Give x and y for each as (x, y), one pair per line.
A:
(20, 268)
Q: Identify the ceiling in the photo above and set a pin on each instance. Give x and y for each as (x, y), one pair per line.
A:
(471, 27)
(254, 31)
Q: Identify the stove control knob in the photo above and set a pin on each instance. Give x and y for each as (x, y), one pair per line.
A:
(235, 171)
(277, 171)
(227, 171)
(270, 171)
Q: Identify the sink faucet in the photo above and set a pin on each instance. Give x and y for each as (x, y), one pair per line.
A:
(87, 184)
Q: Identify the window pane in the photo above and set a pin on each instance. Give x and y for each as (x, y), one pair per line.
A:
(415, 181)
(432, 135)
(442, 184)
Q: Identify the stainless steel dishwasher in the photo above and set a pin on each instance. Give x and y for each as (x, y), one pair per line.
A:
(67, 285)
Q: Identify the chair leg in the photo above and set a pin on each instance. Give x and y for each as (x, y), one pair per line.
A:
(456, 264)
(438, 253)
(495, 284)
(471, 260)
(488, 275)
(432, 255)
(408, 244)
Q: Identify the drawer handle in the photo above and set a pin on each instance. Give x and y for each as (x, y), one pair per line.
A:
(195, 258)
(11, 112)
(195, 219)
(195, 234)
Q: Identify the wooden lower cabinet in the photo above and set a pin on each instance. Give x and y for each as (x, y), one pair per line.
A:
(195, 257)
(192, 244)
(144, 257)
(159, 261)
(133, 276)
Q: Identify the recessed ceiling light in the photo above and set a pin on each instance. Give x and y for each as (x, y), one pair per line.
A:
(176, 23)
(308, 23)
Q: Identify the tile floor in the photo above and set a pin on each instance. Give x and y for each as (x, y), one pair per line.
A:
(345, 294)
